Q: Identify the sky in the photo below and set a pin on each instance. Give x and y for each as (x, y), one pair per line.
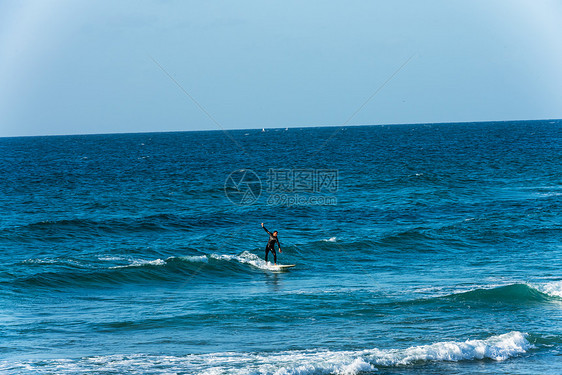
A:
(78, 67)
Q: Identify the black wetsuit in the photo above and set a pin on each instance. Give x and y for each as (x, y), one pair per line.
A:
(271, 246)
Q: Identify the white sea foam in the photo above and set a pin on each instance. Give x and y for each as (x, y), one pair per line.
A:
(331, 239)
(194, 258)
(497, 348)
(246, 258)
(110, 258)
(553, 288)
(62, 261)
(156, 262)
(142, 262)
(41, 261)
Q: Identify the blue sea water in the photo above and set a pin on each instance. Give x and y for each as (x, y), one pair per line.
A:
(419, 249)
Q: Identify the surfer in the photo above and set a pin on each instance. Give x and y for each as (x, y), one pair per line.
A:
(271, 244)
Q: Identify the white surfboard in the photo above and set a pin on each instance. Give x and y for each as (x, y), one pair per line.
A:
(281, 267)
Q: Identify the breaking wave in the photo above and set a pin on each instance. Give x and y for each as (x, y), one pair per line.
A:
(131, 270)
(302, 362)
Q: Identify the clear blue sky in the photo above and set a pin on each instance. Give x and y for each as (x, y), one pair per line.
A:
(70, 67)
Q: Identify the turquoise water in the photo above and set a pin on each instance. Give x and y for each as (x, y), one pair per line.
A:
(419, 249)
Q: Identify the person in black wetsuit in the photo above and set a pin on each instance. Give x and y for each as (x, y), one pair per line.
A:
(271, 244)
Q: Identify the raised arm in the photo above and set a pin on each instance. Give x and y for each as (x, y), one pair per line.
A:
(265, 229)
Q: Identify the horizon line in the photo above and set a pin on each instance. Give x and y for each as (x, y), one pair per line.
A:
(285, 127)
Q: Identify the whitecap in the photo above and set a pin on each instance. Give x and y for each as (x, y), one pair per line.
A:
(246, 258)
(60, 261)
(156, 262)
(553, 289)
(497, 348)
(194, 258)
(109, 258)
(302, 362)
(40, 261)
(142, 262)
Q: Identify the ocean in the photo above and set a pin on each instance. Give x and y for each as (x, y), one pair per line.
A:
(419, 249)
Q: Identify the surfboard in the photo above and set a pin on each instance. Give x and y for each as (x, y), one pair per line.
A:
(283, 266)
